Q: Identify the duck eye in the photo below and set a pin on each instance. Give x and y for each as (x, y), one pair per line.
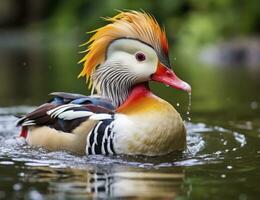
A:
(140, 56)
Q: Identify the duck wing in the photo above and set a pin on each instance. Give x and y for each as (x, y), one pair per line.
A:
(66, 111)
(63, 97)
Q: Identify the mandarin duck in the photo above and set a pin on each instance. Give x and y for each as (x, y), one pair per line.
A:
(123, 116)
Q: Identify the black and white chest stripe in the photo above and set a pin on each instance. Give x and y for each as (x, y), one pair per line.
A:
(100, 139)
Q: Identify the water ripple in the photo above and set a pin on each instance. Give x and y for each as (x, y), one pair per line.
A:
(205, 145)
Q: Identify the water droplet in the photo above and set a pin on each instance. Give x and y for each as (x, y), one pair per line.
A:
(223, 176)
(229, 167)
(189, 108)
(21, 174)
(17, 186)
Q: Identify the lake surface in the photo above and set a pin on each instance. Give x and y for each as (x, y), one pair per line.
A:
(222, 160)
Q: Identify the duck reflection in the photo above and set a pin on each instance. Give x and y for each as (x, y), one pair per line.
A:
(143, 184)
(119, 182)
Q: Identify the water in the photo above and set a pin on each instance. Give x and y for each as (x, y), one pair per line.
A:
(221, 161)
(215, 157)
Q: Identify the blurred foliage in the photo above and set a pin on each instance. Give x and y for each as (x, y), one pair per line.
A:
(46, 35)
(189, 23)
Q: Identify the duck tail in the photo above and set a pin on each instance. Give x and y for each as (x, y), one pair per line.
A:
(24, 132)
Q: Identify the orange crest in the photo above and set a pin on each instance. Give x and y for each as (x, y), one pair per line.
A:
(130, 24)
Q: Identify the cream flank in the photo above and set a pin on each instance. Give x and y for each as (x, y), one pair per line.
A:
(54, 140)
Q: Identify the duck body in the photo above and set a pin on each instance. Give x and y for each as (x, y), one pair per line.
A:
(124, 116)
(91, 125)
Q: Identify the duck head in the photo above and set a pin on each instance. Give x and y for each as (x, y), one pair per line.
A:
(130, 50)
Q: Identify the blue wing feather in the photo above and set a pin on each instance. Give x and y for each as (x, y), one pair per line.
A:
(64, 98)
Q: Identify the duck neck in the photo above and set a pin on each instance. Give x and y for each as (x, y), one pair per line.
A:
(136, 93)
(115, 82)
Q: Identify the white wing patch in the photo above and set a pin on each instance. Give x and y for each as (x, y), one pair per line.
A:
(68, 112)
(29, 123)
(100, 116)
(56, 111)
(71, 114)
(61, 113)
